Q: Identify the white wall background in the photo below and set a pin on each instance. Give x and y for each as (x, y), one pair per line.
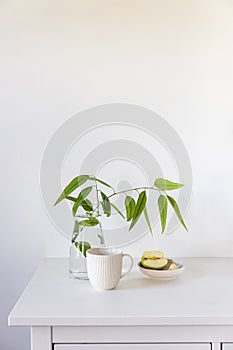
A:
(59, 57)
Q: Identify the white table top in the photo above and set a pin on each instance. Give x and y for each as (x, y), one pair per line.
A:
(202, 294)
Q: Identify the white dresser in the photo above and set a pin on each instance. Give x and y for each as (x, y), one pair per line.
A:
(192, 312)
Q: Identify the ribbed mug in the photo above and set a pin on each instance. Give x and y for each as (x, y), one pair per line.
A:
(104, 267)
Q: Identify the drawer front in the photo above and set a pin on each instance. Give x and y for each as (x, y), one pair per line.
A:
(182, 346)
(228, 346)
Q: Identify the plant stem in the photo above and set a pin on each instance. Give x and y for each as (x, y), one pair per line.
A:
(101, 236)
(134, 189)
(97, 197)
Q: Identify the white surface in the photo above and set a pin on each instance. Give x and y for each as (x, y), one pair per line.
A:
(141, 334)
(216, 346)
(201, 295)
(227, 346)
(41, 338)
(161, 274)
(135, 346)
(58, 58)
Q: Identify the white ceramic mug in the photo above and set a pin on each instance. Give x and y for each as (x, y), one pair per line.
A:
(104, 267)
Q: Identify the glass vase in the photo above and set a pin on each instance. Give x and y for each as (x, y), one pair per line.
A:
(87, 233)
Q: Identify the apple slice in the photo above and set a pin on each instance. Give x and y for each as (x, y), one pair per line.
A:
(156, 264)
(169, 263)
(173, 266)
(153, 254)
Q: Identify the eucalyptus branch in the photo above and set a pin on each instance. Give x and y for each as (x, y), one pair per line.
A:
(134, 208)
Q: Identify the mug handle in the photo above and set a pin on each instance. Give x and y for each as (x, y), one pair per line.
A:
(131, 264)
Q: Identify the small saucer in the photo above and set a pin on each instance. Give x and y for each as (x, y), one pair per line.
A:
(161, 274)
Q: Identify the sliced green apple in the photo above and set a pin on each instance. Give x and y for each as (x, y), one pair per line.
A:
(154, 263)
(153, 254)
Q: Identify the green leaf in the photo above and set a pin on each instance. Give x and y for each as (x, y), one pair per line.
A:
(130, 207)
(118, 211)
(83, 246)
(75, 183)
(87, 205)
(106, 204)
(89, 222)
(177, 211)
(72, 199)
(166, 185)
(82, 195)
(140, 205)
(162, 202)
(147, 219)
(100, 181)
